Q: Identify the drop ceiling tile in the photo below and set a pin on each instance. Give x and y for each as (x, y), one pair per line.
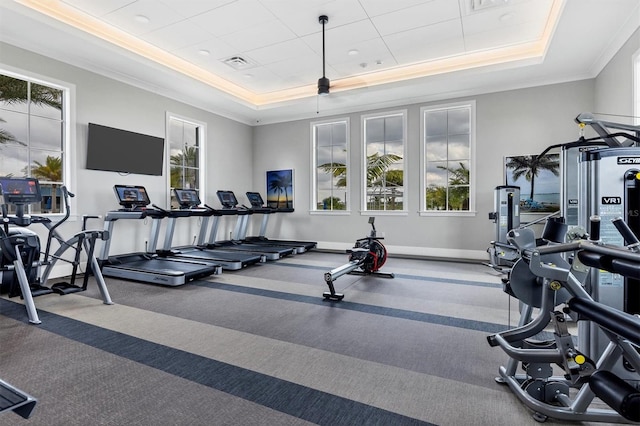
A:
(98, 7)
(426, 43)
(190, 8)
(377, 7)
(295, 48)
(304, 20)
(341, 37)
(260, 35)
(176, 36)
(524, 13)
(217, 49)
(159, 16)
(416, 16)
(233, 17)
(367, 52)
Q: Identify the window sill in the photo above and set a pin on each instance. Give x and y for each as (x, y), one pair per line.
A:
(330, 212)
(384, 213)
(449, 213)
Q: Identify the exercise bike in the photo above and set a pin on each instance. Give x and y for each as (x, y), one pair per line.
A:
(365, 258)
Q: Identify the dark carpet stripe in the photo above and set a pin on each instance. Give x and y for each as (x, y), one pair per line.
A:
(360, 307)
(296, 400)
(405, 276)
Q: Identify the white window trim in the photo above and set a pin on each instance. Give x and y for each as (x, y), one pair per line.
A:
(636, 87)
(472, 161)
(314, 202)
(69, 129)
(363, 166)
(202, 136)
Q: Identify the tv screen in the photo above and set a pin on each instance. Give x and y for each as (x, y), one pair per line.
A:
(122, 151)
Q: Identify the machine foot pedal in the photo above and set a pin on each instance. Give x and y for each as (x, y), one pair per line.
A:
(335, 296)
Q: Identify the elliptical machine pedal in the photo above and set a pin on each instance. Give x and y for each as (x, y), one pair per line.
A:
(365, 258)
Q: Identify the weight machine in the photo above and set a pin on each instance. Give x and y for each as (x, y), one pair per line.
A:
(365, 258)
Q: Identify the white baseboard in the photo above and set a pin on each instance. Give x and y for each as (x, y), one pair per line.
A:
(430, 252)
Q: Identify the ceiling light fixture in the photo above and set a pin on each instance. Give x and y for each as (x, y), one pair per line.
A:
(323, 82)
(142, 19)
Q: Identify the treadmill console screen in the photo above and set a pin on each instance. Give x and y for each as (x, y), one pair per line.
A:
(227, 199)
(20, 191)
(255, 199)
(132, 196)
(187, 198)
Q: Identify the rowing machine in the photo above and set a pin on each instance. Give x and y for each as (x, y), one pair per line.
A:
(365, 258)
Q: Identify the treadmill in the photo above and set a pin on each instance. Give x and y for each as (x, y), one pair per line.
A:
(190, 206)
(258, 206)
(230, 208)
(147, 267)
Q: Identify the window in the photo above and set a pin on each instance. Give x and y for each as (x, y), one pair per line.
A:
(33, 136)
(448, 135)
(383, 162)
(331, 165)
(186, 145)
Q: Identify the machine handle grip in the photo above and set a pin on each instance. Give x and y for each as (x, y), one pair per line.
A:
(594, 228)
(625, 231)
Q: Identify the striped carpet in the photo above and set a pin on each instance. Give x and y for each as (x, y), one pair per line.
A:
(262, 347)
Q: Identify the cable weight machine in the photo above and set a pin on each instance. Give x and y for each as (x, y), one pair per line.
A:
(365, 258)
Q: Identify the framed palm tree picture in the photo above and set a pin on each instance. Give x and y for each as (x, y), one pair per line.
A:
(280, 189)
(538, 179)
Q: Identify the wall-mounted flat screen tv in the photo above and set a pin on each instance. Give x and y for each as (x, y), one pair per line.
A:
(123, 151)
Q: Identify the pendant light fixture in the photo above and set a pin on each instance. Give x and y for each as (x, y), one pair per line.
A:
(323, 82)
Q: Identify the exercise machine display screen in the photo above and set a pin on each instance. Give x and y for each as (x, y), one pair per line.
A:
(227, 199)
(20, 191)
(132, 196)
(255, 199)
(187, 198)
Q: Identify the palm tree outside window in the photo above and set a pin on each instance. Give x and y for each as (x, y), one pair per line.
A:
(331, 166)
(32, 136)
(448, 142)
(185, 154)
(384, 147)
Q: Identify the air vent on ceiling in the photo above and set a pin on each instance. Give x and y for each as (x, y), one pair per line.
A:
(478, 5)
(238, 62)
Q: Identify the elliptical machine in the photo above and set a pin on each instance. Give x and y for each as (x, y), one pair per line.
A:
(21, 258)
(365, 258)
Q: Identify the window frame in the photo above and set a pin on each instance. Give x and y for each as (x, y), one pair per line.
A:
(636, 87)
(202, 134)
(472, 159)
(363, 164)
(313, 208)
(69, 156)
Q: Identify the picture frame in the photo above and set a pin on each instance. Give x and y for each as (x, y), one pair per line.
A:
(280, 191)
(538, 179)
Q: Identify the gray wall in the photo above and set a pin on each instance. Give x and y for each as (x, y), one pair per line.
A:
(614, 85)
(517, 122)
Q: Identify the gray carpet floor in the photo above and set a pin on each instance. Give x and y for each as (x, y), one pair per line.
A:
(261, 346)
